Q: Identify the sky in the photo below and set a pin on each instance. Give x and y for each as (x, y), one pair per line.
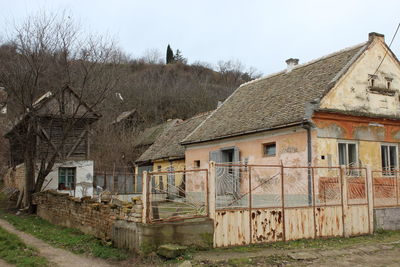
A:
(259, 34)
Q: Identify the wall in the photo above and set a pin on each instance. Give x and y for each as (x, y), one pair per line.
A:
(85, 214)
(387, 218)
(15, 177)
(165, 165)
(120, 222)
(368, 133)
(147, 237)
(291, 148)
(351, 92)
(84, 175)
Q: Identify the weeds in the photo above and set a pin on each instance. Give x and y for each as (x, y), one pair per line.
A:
(14, 251)
(67, 238)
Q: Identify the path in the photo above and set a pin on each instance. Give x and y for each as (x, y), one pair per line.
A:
(5, 264)
(59, 257)
(371, 254)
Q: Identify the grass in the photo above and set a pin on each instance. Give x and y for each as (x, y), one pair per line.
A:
(322, 243)
(14, 251)
(66, 238)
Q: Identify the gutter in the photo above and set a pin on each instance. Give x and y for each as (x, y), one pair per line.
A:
(308, 125)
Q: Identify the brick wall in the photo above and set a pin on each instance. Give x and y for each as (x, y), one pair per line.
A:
(15, 177)
(85, 214)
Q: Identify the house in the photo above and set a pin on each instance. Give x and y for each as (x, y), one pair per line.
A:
(341, 109)
(127, 120)
(63, 127)
(142, 142)
(167, 154)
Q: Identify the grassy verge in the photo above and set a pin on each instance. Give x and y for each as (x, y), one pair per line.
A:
(322, 243)
(14, 251)
(67, 238)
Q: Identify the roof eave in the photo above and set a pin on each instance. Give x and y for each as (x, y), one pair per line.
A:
(247, 132)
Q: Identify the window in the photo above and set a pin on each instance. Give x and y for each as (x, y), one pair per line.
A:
(371, 79)
(269, 149)
(160, 179)
(388, 82)
(348, 156)
(389, 159)
(196, 164)
(66, 178)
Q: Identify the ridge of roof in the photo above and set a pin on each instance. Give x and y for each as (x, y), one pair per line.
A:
(313, 61)
(339, 58)
(168, 144)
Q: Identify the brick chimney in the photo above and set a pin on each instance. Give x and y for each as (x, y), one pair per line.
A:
(291, 63)
(374, 35)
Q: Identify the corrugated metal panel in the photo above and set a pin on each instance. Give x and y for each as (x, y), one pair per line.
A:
(357, 221)
(231, 228)
(329, 221)
(299, 223)
(267, 225)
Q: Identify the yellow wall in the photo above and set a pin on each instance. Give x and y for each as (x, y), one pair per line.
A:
(351, 92)
(164, 165)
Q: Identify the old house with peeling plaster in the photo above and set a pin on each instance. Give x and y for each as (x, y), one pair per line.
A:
(341, 109)
(72, 172)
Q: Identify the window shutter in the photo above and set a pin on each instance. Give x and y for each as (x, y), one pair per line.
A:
(215, 156)
(236, 155)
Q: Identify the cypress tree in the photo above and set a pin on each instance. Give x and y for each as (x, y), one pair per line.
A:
(170, 55)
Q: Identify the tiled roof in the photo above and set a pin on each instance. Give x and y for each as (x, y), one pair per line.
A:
(149, 135)
(276, 100)
(168, 144)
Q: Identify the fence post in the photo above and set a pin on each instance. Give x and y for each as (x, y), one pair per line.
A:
(344, 200)
(370, 200)
(211, 190)
(145, 197)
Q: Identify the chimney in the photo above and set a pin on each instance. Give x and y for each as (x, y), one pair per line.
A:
(374, 35)
(219, 103)
(291, 63)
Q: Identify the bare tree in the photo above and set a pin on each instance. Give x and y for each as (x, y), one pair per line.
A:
(46, 53)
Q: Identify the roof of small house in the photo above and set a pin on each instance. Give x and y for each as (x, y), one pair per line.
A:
(124, 115)
(43, 106)
(277, 100)
(149, 135)
(168, 144)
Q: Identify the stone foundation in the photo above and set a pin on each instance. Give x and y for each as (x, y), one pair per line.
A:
(85, 214)
(121, 222)
(387, 218)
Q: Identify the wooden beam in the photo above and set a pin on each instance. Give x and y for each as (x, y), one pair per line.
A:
(81, 136)
(46, 135)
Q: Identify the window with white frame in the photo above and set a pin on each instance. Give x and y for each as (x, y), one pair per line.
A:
(66, 178)
(348, 156)
(389, 156)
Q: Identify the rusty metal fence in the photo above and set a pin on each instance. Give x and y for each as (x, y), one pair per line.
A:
(267, 203)
(176, 195)
(386, 188)
(118, 180)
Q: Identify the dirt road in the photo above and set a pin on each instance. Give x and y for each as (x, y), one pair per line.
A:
(57, 256)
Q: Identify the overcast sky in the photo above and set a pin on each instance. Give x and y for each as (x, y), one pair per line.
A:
(260, 34)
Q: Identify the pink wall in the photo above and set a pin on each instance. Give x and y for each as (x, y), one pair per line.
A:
(291, 148)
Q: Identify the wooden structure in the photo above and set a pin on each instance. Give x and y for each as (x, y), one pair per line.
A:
(61, 122)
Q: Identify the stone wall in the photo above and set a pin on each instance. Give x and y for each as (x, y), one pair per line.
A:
(15, 177)
(85, 213)
(121, 222)
(387, 218)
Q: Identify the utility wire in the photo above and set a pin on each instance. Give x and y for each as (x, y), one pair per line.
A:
(394, 36)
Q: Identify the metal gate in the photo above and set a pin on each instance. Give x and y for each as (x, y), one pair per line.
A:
(278, 203)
